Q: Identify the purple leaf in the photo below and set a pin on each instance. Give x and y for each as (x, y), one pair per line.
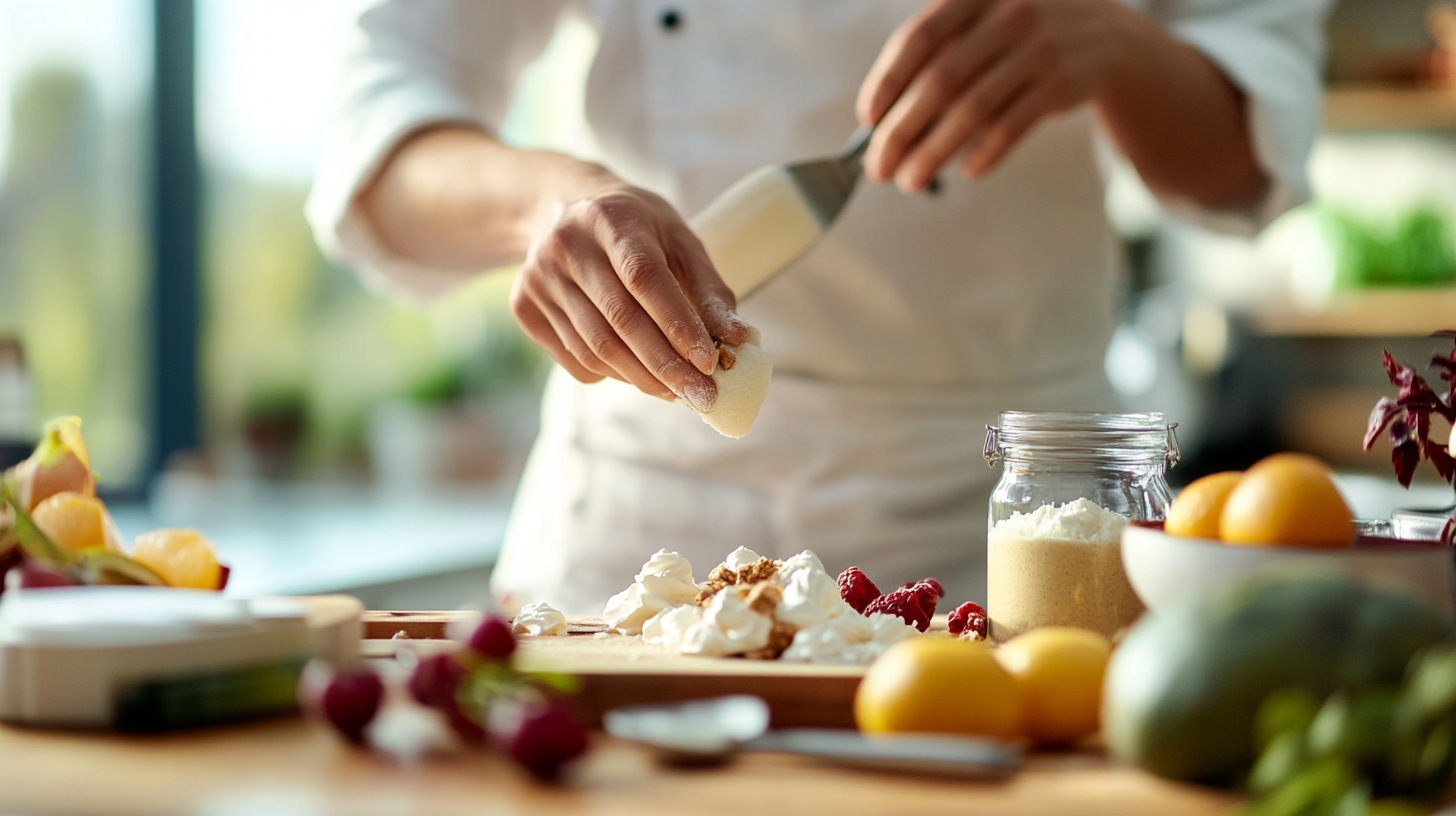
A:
(1440, 457)
(1385, 411)
(1405, 452)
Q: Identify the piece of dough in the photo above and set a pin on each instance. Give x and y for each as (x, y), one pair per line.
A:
(742, 385)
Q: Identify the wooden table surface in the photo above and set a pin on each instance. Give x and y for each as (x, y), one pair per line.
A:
(293, 768)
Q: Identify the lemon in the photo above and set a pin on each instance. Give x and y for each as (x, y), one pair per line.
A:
(1287, 499)
(1059, 671)
(1197, 509)
(183, 558)
(75, 522)
(938, 685)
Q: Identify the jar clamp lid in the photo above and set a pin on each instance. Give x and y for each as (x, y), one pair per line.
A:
(1081, 433)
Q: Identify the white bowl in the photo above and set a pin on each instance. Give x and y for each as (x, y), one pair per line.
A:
(1167, 570)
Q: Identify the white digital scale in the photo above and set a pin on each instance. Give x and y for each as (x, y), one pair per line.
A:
(147, 658)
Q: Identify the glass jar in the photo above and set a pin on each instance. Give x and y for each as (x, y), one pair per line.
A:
(1069, 484)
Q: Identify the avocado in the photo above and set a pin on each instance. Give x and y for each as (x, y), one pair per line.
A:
(1182, 689)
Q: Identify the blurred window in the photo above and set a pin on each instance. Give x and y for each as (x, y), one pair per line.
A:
(76, 75)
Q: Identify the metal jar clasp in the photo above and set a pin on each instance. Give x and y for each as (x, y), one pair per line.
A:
(992, 450)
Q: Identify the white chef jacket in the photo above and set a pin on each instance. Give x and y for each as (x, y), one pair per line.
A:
(895, 340)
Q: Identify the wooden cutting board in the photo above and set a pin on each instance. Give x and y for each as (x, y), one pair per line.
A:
(620, 670)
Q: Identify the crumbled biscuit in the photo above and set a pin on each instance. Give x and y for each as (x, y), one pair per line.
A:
(724, 576)
(761, 570)
(779, 638)
(726, 359)
(763, 598)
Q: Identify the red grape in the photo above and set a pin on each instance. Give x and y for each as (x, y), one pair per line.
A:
(348, 700)
(493, 638)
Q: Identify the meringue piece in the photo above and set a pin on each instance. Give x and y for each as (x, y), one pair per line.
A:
(804, 560)
(665, 564)
(670, 626)
(740, 558)
(666, 580)
(742, 377)
(821, 643)
(539, 619)
(848, 638)
(728, 627)
(629, 609)
(816, 588)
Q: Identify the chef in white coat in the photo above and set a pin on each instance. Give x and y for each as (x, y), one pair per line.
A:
(977, 275)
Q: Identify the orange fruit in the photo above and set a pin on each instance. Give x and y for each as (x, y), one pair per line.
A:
(183, 558)
(1059, 670)
(940, 685)
(1197, 509)
(75, 522)
(1288, 499)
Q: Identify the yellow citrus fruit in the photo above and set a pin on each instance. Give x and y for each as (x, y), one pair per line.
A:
(1059, 670)
(184, 558)
(938, 685)
(75, 521)
(1288, 499)
(1197, 509)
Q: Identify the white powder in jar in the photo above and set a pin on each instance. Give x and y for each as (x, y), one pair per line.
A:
(1077, 520)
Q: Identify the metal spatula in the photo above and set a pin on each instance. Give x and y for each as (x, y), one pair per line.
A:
(773, 215)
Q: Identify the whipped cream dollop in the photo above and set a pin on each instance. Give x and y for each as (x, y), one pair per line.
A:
(539, 619)
(805, 560)
(851, 639)
(811, 597)
(670, 626)
(740, 558)
(666, 580)
(728, 627)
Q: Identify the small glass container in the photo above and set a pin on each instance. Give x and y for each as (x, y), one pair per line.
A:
(1069, 484)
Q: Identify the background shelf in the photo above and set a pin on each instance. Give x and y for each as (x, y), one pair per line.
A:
(1375, 107)
(1367, 313)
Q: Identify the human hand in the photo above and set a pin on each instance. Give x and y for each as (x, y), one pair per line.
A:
(976, 75)
(617, 285)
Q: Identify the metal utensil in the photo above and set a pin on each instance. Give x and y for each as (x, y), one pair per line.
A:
(711, 731)
(773, 215)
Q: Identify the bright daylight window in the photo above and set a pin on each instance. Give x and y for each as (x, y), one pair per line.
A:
(76, 78)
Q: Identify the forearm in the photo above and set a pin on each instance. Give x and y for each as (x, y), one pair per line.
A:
(455, 198)
(1179, 119)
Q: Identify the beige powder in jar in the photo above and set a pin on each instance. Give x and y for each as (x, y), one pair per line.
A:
(1059, 565)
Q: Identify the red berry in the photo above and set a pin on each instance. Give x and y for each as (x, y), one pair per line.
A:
(969, 617)
(857, 589)
(31, 575)
(493, 638)
(925, 595)
(905, 604)
(934, 584)
(435, 681)
(347, 699)
(545, 740)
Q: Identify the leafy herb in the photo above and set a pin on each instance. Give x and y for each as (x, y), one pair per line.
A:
(1408, 418)
(1378, 751)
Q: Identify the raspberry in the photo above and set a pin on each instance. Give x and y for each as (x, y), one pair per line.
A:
(348, 700)
(545, 739)
(969, 617)
(857, 589)
(903, 603)
(934, 584)
(436, 681)
(925, 595)
(493, 638)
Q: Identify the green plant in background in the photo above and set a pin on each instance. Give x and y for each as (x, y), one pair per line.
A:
(1416, 251)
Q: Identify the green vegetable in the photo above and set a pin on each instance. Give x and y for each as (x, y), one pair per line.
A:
(1184, 690)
